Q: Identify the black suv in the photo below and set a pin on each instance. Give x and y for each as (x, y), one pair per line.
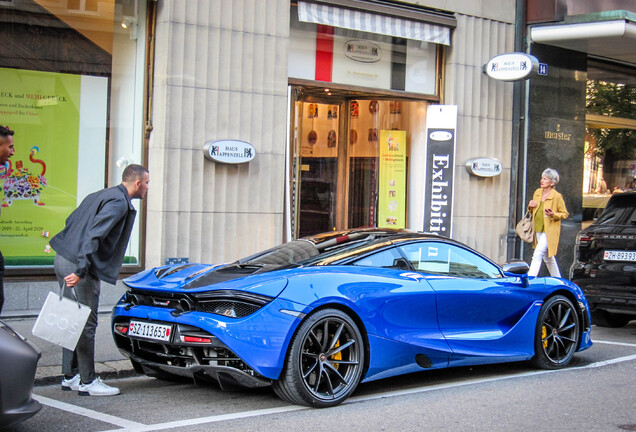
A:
(605, 262)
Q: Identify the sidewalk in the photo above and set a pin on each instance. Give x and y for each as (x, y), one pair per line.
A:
(109, 362)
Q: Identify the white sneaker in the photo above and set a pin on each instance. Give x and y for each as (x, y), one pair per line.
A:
(97, 388)
(71, 384)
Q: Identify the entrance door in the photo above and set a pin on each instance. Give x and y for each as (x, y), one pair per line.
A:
(336, 162)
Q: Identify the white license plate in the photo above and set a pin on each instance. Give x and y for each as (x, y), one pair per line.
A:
(619, 255)
(148, 330)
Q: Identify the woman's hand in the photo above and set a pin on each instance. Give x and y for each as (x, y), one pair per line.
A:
(532, 204)
(549, 212)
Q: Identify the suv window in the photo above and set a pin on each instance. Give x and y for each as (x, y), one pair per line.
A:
(621, 210)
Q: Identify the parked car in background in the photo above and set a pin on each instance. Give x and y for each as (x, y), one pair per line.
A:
(18, 362)
(318, 315)
(605, 262)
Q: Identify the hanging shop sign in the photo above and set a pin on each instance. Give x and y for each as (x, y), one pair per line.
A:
(512, 67)
(229, 151)
(441, 125)
(484, 167)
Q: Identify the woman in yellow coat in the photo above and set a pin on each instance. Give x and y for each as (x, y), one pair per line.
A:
(548, 209)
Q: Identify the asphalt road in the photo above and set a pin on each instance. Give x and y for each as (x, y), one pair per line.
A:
(596, 393)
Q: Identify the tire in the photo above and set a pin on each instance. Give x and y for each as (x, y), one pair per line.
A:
(557, 334)
(606, 319)
(325, 361)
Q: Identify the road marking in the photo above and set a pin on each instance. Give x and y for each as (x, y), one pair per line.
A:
(614, 343)
(74, 409)
(131, 426)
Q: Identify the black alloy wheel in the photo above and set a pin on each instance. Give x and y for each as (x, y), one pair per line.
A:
(557, 333)
(325, 361)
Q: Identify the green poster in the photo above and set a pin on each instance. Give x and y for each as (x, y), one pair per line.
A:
(39, 184)
(392, 187)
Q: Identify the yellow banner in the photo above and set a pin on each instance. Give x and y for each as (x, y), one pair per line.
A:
(392, 187)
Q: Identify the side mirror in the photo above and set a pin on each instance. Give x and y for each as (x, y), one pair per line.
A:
(518, 268)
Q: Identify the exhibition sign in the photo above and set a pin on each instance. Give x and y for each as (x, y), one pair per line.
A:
(392, 178)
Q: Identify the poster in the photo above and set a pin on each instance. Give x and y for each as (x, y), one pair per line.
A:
(441, 123)
(392, 178)
(40, 181)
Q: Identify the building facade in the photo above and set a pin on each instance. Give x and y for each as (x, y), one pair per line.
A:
(338, 100)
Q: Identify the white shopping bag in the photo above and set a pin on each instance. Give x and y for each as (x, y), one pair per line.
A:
(61, 321)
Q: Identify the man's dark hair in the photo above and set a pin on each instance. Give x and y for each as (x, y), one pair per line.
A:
(5, 131)
(133, 172)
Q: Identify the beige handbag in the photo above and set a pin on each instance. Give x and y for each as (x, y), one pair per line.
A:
(524, 228)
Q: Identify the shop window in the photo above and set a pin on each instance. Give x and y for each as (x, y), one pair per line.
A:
(71, 87)
(351, 160)
(610, 144)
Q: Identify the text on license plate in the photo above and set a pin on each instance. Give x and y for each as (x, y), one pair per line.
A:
(148, 330)
(611, 255)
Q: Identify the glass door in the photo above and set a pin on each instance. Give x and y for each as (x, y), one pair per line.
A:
(316, 175)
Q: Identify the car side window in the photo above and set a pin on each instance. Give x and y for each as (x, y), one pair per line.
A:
(450, 260)
(390, 258)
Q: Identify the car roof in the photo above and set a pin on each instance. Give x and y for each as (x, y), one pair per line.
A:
(369, 239)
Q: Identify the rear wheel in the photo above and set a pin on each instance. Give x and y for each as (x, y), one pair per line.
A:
(325, 361)
(557, 333)
(606, 319)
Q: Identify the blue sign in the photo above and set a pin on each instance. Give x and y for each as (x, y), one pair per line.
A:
(543, 69)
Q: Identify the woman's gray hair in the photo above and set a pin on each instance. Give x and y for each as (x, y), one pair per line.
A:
(552, 175)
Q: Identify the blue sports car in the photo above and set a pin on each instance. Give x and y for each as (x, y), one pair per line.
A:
(316, 316)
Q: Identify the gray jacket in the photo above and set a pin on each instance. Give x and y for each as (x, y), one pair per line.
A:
(97, 232)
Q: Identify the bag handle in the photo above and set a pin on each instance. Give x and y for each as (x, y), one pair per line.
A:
(79, 306)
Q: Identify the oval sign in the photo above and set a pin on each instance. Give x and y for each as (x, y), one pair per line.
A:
(440, 136)
(484, 167)
(229, 151)
(511, 67)
(362, 51)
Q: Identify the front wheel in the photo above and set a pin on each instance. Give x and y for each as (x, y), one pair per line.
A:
(557, 333)
(325, 361)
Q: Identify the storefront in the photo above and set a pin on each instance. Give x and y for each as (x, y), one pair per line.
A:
(336, 114)
(581, 113)
(360, 85)
(72, 89)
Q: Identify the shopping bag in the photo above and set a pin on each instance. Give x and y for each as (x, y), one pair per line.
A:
(61, 321)
(525, 229)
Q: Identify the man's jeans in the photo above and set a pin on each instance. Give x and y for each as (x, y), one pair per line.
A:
(82, 360)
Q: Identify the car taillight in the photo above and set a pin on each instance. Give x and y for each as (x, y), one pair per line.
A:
(195, 339)
(121, 328)
(584, 239)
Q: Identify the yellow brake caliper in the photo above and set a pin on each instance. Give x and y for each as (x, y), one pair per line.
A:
(544, 336)
(337, 356)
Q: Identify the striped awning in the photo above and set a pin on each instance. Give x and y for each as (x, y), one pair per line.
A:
(355, 19)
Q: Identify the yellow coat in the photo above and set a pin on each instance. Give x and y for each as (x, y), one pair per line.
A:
(552, 225)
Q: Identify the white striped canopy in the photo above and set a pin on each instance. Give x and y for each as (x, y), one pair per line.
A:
(373, 23)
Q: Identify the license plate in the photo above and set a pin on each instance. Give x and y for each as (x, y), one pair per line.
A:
(146, 330)
(619, 255)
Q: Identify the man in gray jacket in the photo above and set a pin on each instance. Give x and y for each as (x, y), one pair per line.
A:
(91, 248)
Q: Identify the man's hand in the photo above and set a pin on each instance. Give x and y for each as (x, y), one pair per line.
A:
(72, 280)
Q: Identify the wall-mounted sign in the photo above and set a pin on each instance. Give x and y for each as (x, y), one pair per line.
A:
(512, 67)
(484, 167)
(363, 51)
(229, 151)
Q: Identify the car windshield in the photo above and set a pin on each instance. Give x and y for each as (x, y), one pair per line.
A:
(621, 210)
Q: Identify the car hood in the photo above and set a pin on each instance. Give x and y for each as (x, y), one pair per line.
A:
(194, 278)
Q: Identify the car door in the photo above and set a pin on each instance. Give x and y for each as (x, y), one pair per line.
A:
(403, 305)
(477, 306)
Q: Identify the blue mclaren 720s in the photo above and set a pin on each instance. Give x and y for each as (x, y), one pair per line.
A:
(316, 316)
